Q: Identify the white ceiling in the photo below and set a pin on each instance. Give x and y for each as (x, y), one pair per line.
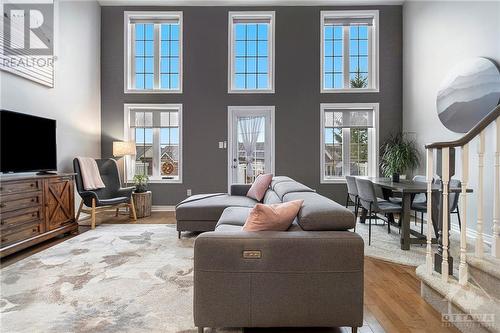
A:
(248, 2)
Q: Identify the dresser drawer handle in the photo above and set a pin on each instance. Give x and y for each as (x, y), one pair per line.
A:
(2, 223)
(32, 185)
(33, 214)
(35, 229)
(32, 199)
(2, 205)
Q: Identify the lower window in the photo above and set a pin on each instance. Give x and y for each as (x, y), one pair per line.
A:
(348, 141)
(156, 130)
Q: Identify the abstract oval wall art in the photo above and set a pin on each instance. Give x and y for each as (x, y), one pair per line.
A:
(468, 93)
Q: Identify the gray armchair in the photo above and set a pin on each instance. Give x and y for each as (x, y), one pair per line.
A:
(113, 195)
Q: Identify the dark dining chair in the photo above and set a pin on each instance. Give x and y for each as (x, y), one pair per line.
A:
(421, 206)
(111, 196)
(352, 196)
(369, 201)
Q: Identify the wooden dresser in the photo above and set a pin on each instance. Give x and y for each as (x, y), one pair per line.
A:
(34, 209)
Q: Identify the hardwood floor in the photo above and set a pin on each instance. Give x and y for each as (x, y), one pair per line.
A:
(392, 292)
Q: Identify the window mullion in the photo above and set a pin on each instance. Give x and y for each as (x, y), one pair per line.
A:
(156, 56)
(369, 58)
(156, 153)
(345, 52)
(346, 151)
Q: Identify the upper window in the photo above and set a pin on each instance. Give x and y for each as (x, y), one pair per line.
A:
(349, 51)
(348, 141)
(251, 52)
(153, 52)
(156, 130)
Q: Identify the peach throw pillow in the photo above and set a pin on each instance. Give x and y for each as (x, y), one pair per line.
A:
(260, 186)
(275, 217)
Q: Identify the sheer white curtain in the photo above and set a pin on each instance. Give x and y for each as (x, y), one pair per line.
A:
(250, 128)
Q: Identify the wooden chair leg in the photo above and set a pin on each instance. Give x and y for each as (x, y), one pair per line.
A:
(79, 211)
(93, 214)
(354, 330)
(132, 208)
(117, 210)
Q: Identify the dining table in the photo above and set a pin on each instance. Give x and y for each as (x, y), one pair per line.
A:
(407, 189)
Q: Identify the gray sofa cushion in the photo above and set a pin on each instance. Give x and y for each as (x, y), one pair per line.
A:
(234, 216)
(319, 213)
(210, 208)
(271, 198)
(280, 179)
(288, 187)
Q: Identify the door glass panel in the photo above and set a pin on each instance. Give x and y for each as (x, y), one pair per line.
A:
(251, 149)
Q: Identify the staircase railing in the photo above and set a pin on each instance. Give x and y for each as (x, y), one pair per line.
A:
(446, 150)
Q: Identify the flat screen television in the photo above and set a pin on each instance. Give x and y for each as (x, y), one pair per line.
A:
(27, 143)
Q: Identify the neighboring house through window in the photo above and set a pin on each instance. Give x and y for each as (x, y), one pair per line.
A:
(349, 51)
(153, 52)
(156, 130)
(251, 52)
(349, 141)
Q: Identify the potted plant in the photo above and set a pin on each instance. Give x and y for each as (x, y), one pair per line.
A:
(398, 155)
(141, 183)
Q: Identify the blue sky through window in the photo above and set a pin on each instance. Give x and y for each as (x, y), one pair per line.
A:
(144, 56)
(169, 63)
(251, 56)
(333, 71)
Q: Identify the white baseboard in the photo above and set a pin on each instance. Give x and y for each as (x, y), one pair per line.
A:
(162, 208)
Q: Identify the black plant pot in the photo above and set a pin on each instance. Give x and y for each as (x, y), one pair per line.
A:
(141, 188)
(395, 177)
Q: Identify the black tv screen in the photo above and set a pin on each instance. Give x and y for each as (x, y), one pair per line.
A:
(27, 143)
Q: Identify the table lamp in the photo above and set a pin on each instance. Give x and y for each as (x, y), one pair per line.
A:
(121, 149)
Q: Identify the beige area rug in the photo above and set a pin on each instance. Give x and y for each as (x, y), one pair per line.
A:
(387, 246)
(116, 278)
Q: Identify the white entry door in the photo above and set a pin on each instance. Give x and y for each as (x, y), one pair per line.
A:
(251, 143)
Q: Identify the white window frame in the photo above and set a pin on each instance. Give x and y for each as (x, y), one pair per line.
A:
(373, 51)
(129, 59)
(268, 15)
(129, 135)
(373, 139)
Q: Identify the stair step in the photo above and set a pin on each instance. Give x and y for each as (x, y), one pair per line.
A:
(452, 298)
(485, 273)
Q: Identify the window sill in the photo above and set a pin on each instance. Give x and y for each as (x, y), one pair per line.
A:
(350, 90)
(160, 181)
(333, 181)
(250, 91)
(154, 91)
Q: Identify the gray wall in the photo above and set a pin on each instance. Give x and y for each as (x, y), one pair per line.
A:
(437, 35)
(205, 98)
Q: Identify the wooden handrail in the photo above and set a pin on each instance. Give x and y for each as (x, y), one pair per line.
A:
(488, 119)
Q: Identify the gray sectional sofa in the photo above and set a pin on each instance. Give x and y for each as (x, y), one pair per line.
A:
(308, 276)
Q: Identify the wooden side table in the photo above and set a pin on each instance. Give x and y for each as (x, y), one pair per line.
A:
(142, 202)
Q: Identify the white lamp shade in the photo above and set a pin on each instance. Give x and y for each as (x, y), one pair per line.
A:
(123, 148)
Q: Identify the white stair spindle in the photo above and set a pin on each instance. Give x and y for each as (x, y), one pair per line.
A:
(495, 248)
(429, 175)
(480, 197)
(463, 275)
(444, 232)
